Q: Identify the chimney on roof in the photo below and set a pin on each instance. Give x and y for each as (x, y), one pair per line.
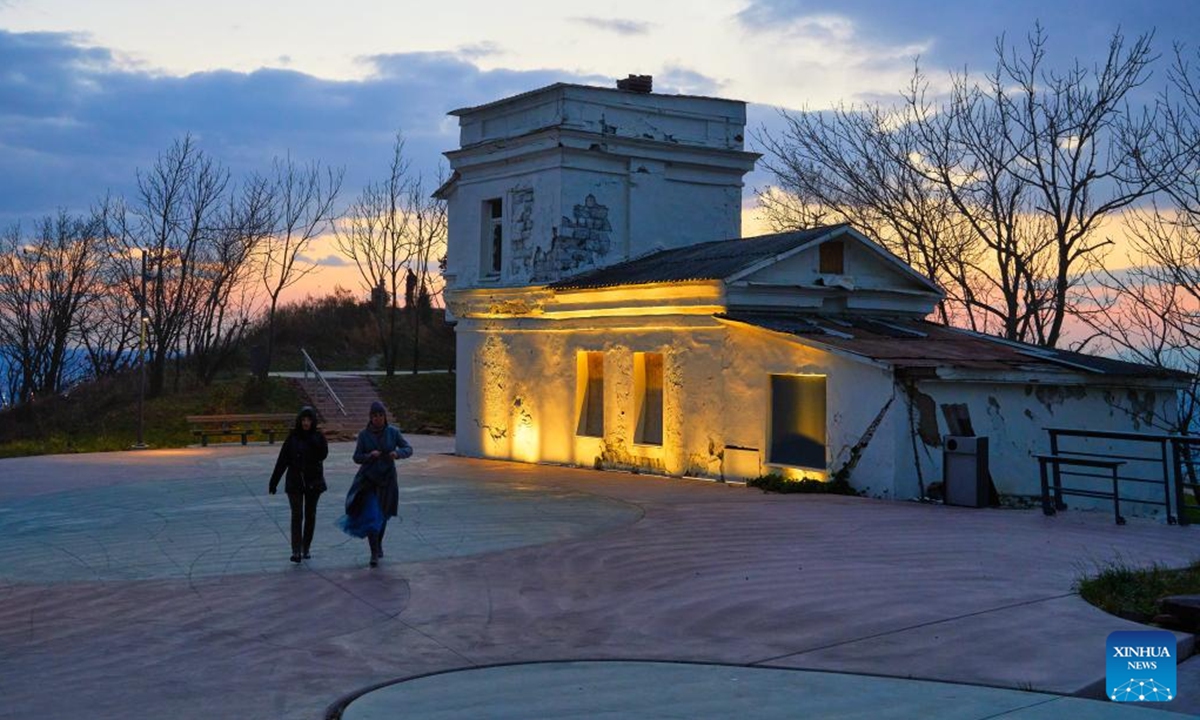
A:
(636, 83)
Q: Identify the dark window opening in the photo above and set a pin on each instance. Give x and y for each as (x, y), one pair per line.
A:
(590, 385)
(648, 370)
(833, 257)
(493, 234)
(497, 248)
(798, 421)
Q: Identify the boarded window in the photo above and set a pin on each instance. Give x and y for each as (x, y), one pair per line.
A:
(493, 237)
(648, 387)
(833, 257)
(589, 387)
(798, 421)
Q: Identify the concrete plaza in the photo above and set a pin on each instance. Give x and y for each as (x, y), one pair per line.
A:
(157, 585)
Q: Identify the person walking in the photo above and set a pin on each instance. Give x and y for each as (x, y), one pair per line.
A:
(374, 496)
(302, 457)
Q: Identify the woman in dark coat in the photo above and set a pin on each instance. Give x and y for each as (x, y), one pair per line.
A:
(302, 456)
(375, 495)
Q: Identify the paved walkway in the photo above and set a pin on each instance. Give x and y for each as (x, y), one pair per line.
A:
(157, 584)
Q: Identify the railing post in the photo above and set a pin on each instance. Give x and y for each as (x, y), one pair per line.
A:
(1166, 470)
(1058, 501)
(1177, 457)
(1047, 508)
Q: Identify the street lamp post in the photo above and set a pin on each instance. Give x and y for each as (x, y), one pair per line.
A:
(141, 441)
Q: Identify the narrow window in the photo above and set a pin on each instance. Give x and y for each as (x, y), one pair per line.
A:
(493, 237)
(833, 257)
(648, 388)
(798, 421)
(589, 388)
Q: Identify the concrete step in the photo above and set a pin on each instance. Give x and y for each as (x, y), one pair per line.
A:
(356, 395)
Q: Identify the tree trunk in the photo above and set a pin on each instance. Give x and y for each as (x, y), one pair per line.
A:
(266, 368)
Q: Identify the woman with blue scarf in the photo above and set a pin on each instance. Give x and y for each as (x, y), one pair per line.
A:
(374, 495)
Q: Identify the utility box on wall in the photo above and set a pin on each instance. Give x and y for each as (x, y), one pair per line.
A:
(965, 477)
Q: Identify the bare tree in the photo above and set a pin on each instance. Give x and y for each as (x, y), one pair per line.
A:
(1146, 313)
(1149, 311)
(109, 325)
(46, 281)
(426, 219)
(222, 274)
(393, 227)
(303, 209)
(997, 192)
(853, 165)
(24, 339)
(167, 226)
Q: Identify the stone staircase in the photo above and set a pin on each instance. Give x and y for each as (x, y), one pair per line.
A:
(356, 392)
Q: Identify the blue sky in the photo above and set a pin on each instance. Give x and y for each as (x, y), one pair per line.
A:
(91, 91)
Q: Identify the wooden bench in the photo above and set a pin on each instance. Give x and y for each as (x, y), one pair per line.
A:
(241, 425)
(1057, 461)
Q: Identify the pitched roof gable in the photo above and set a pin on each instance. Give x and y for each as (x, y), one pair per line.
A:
(729, 260)
(844, 230)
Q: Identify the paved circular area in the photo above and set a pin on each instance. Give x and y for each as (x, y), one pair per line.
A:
(229, 525)
(498, 563)
(685, 690)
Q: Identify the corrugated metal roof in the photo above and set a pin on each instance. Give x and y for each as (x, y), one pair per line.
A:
(707, 261)
(913, 344)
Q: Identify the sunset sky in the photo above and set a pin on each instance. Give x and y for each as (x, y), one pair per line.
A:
(91, 91)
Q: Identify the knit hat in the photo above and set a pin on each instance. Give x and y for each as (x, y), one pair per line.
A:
(377, 407)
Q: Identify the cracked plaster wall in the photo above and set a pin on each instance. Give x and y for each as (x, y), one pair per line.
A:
(1014, 418)
(563, 222)
(521, 402)
(581, 241)
(855, 393)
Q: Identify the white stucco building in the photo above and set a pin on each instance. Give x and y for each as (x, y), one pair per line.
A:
(606, 318)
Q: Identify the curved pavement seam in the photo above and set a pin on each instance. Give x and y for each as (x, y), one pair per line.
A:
(998, 608)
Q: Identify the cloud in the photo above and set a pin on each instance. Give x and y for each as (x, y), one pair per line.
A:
(77, 121)
(481, 50)
(620, 27)
(772, 15)
(327, 261)
(675, 79)
(955, 35)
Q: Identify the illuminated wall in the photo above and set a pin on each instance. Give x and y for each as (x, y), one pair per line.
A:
(521, 399)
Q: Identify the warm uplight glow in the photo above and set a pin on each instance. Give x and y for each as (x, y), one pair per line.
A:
(169, 452)
(644, 311)
(526, 439)
(798, 474)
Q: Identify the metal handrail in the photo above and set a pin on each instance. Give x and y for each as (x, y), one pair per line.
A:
(1159, 445)
(308, 363)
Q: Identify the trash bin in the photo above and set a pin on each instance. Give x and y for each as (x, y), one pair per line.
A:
(965, 478)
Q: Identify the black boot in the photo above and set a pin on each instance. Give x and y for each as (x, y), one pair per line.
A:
(373, 541)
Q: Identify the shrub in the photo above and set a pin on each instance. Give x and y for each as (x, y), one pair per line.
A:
(774, 482)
